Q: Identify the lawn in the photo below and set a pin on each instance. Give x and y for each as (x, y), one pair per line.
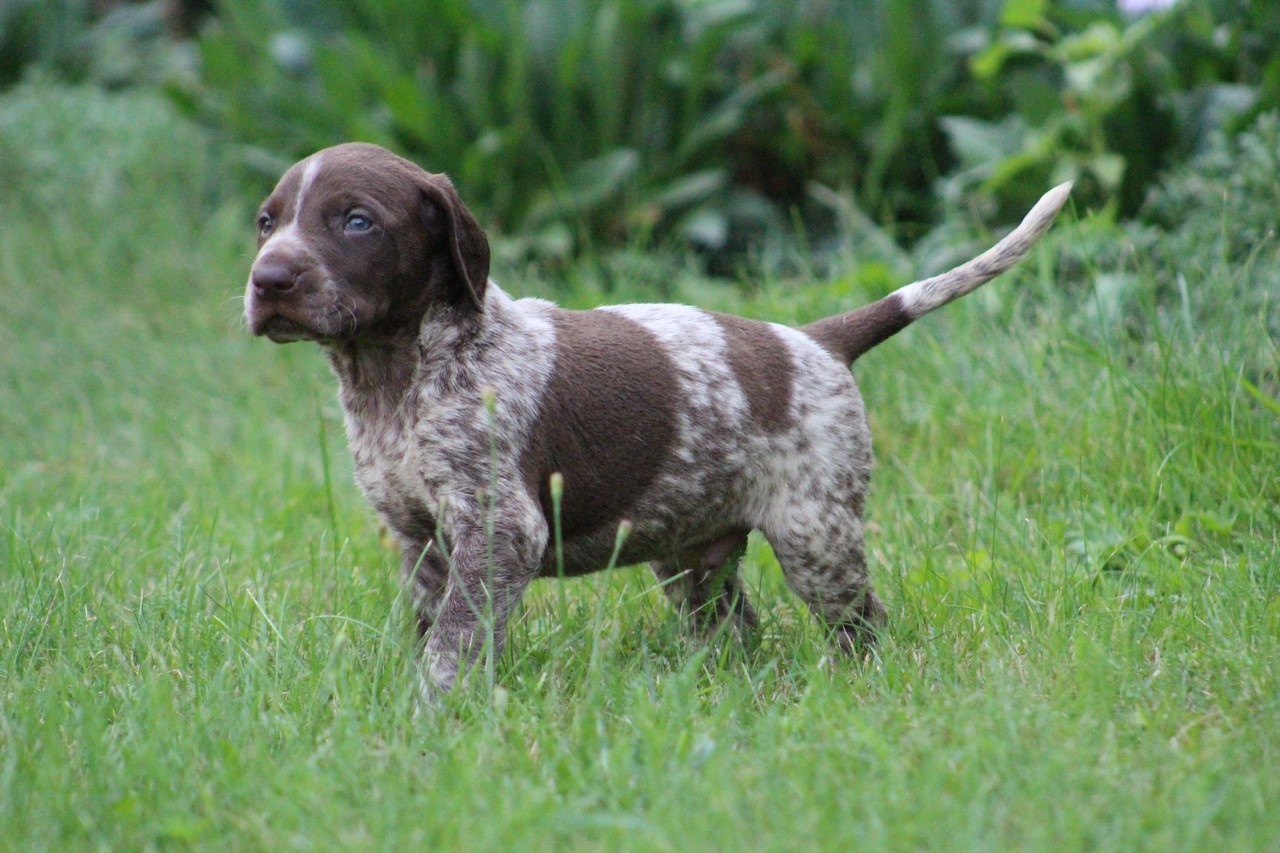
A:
(1075, 524)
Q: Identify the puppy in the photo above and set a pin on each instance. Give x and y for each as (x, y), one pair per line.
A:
(680, 428)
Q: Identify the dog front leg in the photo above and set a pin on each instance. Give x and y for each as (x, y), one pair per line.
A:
(488, 575)
(424, 572)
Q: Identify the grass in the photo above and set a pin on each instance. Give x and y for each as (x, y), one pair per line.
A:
(1074, 524)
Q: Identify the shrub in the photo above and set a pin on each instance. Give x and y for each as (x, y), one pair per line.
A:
(1091, 95)
(110, 42)
(603, 120)
(1218, 212)
(750, 131)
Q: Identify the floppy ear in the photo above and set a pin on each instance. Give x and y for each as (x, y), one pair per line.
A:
(463, 237)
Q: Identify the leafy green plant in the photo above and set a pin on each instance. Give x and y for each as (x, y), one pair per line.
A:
(566, 123)
(735, 126)
(36, 32)
(1222, 204)
(110, 43)
(755, 133)
(1064, 85)
(1104, 99)
(605, 121)
(1218, 210)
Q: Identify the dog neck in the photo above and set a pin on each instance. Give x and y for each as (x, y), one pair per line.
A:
(374, 374)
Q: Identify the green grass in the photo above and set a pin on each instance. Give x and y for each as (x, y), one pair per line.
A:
(1073, 522)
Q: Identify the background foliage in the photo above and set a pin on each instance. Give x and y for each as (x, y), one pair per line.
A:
(1075, 520)
(750, 131)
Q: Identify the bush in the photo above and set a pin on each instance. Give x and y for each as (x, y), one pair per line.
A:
(1218, 212)
(1107, 100)
(113, 43)
(602, 120)
(753, 132)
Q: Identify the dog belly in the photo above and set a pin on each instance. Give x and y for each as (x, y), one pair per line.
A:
(678, 513)
(588, 554)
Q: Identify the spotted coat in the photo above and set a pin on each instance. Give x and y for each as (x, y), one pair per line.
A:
(686, 429)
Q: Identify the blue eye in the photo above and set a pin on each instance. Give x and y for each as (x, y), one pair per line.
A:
(358, 222)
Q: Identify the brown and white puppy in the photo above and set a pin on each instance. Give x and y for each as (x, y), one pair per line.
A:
(461, 403)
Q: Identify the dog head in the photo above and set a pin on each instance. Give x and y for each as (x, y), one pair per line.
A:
(356, 243)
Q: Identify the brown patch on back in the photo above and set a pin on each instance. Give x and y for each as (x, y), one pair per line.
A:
(762, 364)
(607, 422)
(847, 336)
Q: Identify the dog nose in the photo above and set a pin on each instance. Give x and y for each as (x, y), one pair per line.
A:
(273, 279)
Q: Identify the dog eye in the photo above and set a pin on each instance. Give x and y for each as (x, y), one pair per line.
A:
(358, 222)
(265, 223)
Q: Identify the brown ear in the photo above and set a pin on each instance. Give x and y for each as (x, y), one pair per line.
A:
(463, 236)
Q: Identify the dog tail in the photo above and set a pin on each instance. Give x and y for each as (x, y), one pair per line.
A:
(848, 336)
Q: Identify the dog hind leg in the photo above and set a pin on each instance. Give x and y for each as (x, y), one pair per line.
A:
(823, 561)
(703, 584)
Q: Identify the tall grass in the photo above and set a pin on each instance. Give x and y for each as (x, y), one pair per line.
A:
(1074, 524)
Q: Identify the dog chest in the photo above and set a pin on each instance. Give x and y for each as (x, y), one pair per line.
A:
(386, 471)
